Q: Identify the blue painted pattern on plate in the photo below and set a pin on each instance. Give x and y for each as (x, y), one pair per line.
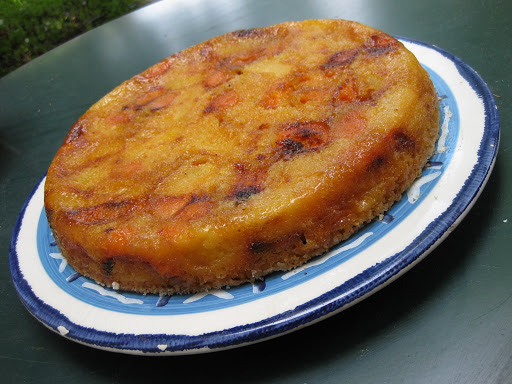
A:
(88, 291)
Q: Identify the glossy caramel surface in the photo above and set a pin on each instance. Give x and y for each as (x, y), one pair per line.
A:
(248, 153)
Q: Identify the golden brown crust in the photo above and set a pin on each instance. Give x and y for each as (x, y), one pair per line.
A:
(249, 153)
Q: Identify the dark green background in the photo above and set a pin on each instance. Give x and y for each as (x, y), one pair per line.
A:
(448, 320)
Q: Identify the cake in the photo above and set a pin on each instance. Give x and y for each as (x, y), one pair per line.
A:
(246, 154)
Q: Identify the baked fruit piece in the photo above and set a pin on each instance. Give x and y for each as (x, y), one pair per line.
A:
(249, 153)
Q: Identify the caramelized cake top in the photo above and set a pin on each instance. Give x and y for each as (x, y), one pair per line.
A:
(250, 130)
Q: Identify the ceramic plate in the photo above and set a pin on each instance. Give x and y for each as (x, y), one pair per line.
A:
(80, 310)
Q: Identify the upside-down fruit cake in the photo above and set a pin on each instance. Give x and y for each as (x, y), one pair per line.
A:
(249, 153)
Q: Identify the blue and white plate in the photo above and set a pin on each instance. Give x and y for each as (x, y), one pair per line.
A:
(80, 310)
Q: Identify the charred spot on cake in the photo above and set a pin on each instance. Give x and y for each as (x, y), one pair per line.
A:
(380, 43)
(310, 133)
(302, 136)
(250, 181)
(108, 266)
(340, 59)
(289, 241)
(290, 147)
(196, 198)
(403, 142)
(244, 193)
(260, 246)
(377, 163)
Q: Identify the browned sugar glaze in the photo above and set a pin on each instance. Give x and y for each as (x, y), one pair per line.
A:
(248, 153)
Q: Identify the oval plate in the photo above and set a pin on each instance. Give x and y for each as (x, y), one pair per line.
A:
(82, 311)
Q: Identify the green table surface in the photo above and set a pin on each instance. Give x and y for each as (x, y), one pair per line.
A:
(448, 320)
